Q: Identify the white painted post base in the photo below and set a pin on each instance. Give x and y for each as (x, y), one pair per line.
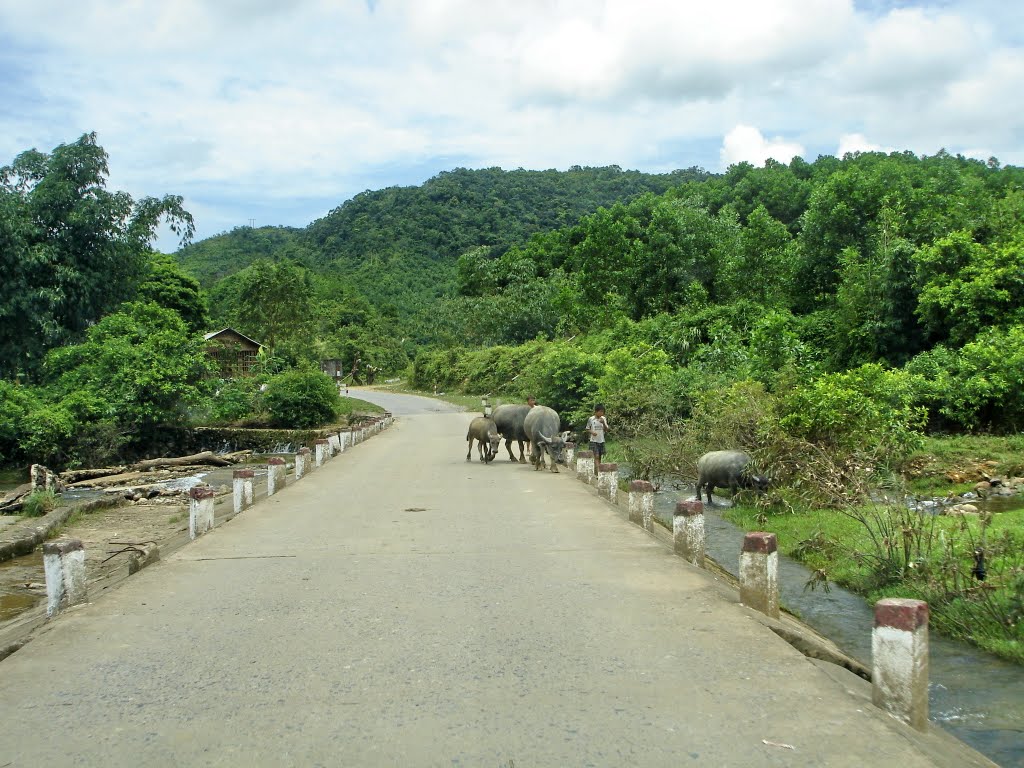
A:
(688, 531)
(321, 447)
(200, 511)
(241, 487)
(333, 445)
(585, 465)
(759, 573)
(342, 441)
(64, 565)
(608, 481)
(302, 463)
(570, 454)
(276, 472)
(640, 502)
(899, 660)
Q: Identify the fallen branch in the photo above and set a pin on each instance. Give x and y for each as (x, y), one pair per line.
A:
(206, 457)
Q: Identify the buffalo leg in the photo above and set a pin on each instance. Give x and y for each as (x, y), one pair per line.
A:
(469, 451)
(522, 453)
(508, 447)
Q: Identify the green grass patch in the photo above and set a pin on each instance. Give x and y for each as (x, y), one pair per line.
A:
(354, 406)
(38, 503)
(880, 551)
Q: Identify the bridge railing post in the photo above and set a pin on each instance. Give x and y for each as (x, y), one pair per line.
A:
(688, 531)
(322, 447)
(64, 566)
(899, 660)
(276, 471)
(200, 511)
(241, 487)
(608, 481)
(640, 502)
(302, 460)
(585, 465)
(759, 569)
(570, 454)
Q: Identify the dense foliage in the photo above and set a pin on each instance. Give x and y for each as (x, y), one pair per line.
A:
(70, 251)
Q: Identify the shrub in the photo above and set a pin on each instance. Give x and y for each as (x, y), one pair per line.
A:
(236, 399)
(301, 399)
(866, 410)
(38, 503)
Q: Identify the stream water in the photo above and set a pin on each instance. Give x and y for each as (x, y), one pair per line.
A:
(974, 695)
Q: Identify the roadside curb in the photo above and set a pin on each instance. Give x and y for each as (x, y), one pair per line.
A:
(28, 535)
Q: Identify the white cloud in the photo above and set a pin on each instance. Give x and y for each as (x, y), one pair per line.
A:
(744, 143)
(254, 105)
(857, 142)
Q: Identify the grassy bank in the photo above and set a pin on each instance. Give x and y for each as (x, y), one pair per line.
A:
(881, 550)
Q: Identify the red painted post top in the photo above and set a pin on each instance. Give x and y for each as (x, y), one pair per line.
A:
(62, 546)
(200, 492)
(323, 441)
(602, 467)
(276, 461)
(304, 451)
(760, 542)
(570, 445)
(690, 509)
(243, 473)
(585, 455)
(901, 613)
(640, 486)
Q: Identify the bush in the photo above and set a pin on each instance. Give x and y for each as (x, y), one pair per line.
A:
(866, 410)
(38, 503)
(299, 399)
(980, 385)
(236, 399)
(16, 402)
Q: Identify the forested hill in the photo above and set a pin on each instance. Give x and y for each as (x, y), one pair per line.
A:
(393, 243)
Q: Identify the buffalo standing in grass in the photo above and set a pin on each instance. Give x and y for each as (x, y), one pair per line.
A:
(488, 439)
(727, 469)
(541, 427)
(510, 420)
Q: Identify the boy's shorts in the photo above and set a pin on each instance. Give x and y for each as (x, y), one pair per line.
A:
(598, 449)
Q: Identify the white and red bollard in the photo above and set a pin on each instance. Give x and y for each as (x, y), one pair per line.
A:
(759, 573)
(241, 487)
(64, 566)
(200, 511)
(276, 473)
(688, 531)
(640, 502)
(322, 448)
(585, 466)
(608, 481)
(302, 463)
(899, 660)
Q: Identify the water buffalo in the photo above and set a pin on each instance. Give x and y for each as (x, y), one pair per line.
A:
(541, 425)
(509, 420)
(488, 440)
(727, 469)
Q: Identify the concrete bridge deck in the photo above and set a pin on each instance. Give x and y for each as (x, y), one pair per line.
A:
(401, 606)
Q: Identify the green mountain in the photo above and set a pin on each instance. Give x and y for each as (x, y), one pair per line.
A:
(398, 246)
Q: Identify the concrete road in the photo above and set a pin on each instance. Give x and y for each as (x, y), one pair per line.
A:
(401, 606)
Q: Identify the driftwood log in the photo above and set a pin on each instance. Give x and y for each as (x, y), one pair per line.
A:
(13, 500)
(206, 457)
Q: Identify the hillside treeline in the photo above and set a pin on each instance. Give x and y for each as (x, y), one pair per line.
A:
(896, 276)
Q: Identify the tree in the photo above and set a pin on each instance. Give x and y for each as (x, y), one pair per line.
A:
(167, 285)
(70, 251)
(274, 303)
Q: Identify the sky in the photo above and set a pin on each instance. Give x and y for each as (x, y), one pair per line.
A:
(269, 112)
